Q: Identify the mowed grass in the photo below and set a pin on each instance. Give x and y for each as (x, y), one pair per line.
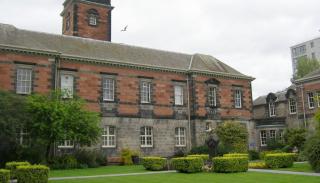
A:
(299, 167)
(248, 177)
(97, 171)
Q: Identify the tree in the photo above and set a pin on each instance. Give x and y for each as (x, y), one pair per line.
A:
(55, 119)
(13, 116)
(295, 137)
(233, 136)
(306, 66)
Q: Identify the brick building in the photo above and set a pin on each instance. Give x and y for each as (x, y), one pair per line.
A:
(294, 107)
(157, 102)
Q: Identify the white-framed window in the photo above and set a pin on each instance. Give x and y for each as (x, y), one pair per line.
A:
(93, 19)
(146, 136)
(212, 96)
(318, 98)
(310, 100)
(109, 136)
(66, 144)
(22, 136)
(178, 95)
(24, 81)
(238, 99)
(67, 81)
(272, 134)
(292, 106)
(180, 134)
(108, 89)
(263, 138)
(145, 92)
(272, 109)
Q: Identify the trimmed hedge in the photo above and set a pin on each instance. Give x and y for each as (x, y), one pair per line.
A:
(236, 155)
(204, 157)
(154, 163)
(280, 160)
(230, 164)
(187, 164)
(12, 166)
(4, 176)
(264, 153)
(32, 173)
(257, 165)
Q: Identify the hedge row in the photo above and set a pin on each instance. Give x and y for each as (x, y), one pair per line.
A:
(230, 164)
(280, 160)
(154, 163)
(32, 173)
(4, 176)
(236, 155)
(12, 166)
(187, 164)
(204, 157)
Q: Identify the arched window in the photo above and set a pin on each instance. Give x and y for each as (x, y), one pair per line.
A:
(93, 17)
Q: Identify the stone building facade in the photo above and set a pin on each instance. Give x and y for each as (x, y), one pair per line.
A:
(156, 102)
(294, 107)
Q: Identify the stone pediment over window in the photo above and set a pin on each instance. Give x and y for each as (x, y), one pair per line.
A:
(212, 81)
(291, 93)
(271, 97)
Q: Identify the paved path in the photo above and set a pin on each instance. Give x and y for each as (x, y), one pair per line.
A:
(110, 175)
(284, 172)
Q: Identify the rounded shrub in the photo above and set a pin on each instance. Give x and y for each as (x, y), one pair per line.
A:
(230, 164)
(279, 160)
(264, 153)
(32, 173)
(4, 176)
(12, 166)
(313, 152)
(154, 163)
(187, 164)
(257, 165)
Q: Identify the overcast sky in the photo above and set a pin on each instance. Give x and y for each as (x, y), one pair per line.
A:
(253, 36)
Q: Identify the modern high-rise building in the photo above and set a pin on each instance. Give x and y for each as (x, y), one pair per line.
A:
(309, 49)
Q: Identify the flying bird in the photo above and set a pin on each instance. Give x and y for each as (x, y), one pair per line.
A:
(124, 29)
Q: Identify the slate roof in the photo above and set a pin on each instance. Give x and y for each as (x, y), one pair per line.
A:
(281, 97)
(103, 51)
(309, 77)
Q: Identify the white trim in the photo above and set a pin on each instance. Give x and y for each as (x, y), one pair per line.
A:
(144, 136)
(180, 138)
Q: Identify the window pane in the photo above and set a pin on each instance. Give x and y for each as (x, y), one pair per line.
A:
(67, 85)
(108, 89)
(212, 96)
(238, 98)
(24, 81)
(145, 92)
(178, 95)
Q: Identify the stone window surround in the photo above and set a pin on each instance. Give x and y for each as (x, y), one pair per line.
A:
(113, 78)
(144, 136)
(310, 100)
(106, 137)
(27, 67)
(180, 136)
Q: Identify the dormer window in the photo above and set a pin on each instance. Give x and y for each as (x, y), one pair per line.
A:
(93, 16)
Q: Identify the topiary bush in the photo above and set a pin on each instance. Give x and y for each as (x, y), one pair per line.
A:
(313, 152)
(236, 155)
(4, 176)
(12, 166)
(280, 160)
(187, 164)
(230, 164)
(32, 173)
(154, 163)
(204, 157)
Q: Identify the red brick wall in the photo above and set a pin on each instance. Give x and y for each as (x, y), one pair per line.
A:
(88, 86)
(100, 32)
(307, 87)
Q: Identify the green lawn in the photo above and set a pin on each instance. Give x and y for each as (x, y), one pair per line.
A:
(299, 167)
(97, 171)
(249, 177)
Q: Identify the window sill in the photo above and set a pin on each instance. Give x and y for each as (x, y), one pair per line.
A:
(180, 146)
(109, 147)
(65, 147)
(146, 146)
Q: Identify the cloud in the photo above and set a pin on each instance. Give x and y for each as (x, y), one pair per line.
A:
(249, 35)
